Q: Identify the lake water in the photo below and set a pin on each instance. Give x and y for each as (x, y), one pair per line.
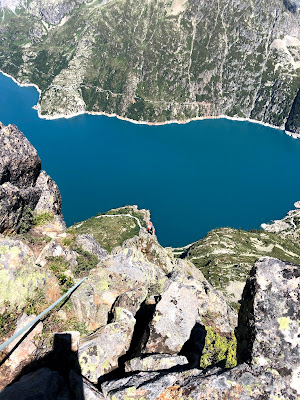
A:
(193, 177)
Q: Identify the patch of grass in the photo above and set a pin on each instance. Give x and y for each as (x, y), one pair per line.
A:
(43, 218)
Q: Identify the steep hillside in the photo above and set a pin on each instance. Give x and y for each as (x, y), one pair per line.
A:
(157, 61)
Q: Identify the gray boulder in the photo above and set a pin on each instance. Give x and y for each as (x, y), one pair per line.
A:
(98, 353)
(268, 340)
(173, 321)
(20, 277)
(118, 273)
(131, 300)
(89, 243)
(50, 198)
(269, 327)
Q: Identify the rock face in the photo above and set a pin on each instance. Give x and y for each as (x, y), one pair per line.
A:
(272, 313)
(89, 243)
(24, 188)
(19, 162)
(155, 362)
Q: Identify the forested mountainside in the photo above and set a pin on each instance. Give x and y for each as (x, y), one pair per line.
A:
(157, 60)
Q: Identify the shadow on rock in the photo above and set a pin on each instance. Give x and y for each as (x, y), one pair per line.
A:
(57, 375)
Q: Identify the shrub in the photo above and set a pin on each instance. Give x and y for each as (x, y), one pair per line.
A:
(85, 261)
(58, 266)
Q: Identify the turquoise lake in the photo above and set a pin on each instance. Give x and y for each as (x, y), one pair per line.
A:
(193, 177)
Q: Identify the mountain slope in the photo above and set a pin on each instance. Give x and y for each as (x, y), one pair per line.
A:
(157, 61)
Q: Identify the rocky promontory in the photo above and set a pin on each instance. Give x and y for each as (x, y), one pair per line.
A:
(146, 323)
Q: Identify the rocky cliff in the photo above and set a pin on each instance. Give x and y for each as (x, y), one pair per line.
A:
(157, 61)
(27, 194)
(145, 324)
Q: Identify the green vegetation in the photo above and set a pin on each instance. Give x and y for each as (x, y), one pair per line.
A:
(8, 319)
(85, 262)
(42, 218)
(58, 265)
(26, 221)
(225, 256)
(111, 231)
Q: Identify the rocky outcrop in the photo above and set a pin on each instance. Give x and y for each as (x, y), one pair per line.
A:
(89, 243)
(24, 188)
(268, 324)
(26, 347)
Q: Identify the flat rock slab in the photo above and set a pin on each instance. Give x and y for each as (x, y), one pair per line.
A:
(155, 362)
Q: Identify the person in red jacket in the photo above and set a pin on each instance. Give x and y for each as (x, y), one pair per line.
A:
(150, 228)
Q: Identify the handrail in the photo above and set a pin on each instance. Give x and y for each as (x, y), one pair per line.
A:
(36, 319)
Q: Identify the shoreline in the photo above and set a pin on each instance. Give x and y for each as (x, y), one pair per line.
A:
(114, 115)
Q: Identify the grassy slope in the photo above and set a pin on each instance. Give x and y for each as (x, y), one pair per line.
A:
(112, 231)
(226, 255)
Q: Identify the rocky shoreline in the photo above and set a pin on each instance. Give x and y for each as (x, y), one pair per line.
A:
(58, 116)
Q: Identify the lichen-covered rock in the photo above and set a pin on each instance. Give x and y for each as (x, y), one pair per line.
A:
(122, 271)
(20, 351)
(271, 318)
(173, 321)
(131, 300)
(42, 385)
(152, 250)
(19, 276)
(155, 362)
(50, 198)
(54, 249)
(98, 353)
(89, 243)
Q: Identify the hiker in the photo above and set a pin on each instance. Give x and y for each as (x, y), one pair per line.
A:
(150, 228)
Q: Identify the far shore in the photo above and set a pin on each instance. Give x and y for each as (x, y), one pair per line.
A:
(67, 116)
